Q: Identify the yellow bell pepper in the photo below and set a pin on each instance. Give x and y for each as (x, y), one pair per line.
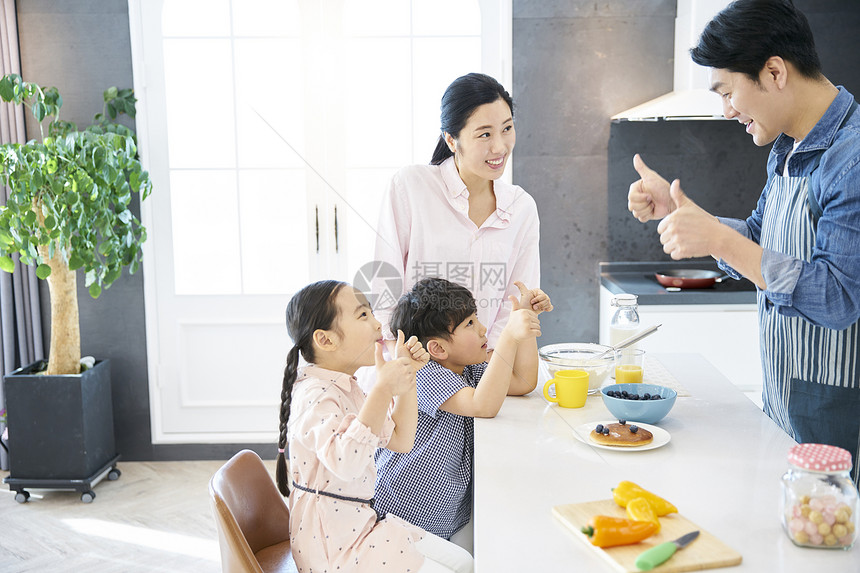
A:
(627, 490)
(638, 509)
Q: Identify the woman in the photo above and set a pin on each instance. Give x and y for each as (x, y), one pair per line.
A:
(455, 218)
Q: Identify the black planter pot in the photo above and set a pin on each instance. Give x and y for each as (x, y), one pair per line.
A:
(61, 432)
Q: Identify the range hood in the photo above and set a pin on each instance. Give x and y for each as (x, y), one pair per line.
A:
(690, 98)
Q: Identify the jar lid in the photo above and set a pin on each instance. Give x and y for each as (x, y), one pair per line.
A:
(624, 299)
(819, 457)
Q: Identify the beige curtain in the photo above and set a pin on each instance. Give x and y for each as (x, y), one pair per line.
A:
(20, 312)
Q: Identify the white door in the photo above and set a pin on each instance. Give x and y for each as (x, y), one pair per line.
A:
(270, 129)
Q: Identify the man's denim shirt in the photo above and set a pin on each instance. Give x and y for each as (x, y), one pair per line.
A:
(826, 290)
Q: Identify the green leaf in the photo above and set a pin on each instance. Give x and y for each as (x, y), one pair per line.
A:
(95, 290)
(110, 93)
(112, 274)
(111, 110)
(7, 264)
(5, 237)
(75, 262)
(99, 158)
(104, 248)
(39, 111)
(43, 271)
(7, 91)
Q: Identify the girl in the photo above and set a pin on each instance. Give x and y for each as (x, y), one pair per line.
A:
(334, 430)
(455, 219)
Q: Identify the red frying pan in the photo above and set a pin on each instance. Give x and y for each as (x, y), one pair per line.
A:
(689, 278)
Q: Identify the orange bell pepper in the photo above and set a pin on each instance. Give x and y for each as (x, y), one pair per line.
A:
(606, 531)
(627, 490)
(638, 509)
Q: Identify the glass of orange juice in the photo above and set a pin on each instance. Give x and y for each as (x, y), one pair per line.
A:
(629, 368)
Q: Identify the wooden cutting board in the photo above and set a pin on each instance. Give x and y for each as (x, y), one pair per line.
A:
(706, 552)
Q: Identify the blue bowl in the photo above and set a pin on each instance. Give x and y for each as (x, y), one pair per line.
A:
(645, 411)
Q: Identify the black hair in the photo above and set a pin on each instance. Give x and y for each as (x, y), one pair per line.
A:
(312, 308)
(459, 102)
(747, 33)
(432, 309)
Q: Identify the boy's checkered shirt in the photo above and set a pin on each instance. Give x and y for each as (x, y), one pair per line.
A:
(431, 486)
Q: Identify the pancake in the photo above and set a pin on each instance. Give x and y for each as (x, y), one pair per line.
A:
(620, 435)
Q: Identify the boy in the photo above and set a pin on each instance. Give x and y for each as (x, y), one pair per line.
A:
(430, 486)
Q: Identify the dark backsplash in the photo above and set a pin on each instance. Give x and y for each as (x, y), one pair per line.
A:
(719, 166)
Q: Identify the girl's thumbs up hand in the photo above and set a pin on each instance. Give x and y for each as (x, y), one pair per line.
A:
(398, 375)
(411, 349)
(535, 299)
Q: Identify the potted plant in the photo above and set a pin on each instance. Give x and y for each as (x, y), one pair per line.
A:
(67, 211)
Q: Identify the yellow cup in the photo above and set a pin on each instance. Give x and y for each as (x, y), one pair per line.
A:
(571, 388)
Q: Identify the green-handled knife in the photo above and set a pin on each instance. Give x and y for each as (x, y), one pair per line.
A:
(660, 553)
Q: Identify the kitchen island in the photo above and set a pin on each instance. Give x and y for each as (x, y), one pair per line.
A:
(721, 468)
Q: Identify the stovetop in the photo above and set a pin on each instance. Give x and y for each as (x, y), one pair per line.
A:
(638, 278)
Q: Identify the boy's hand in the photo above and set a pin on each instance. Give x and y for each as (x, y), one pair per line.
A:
(397, 375)
(411, 349)
(535, 299)
(523, 323)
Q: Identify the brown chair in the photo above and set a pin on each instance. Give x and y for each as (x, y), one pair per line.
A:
(252, 518)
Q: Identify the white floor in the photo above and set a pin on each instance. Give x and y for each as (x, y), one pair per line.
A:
(155, 518)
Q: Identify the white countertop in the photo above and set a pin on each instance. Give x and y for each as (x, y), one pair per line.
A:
(721, 468)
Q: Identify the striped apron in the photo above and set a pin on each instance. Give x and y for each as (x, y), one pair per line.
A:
(811, 374)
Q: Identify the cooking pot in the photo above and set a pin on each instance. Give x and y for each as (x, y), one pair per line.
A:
(689, 278)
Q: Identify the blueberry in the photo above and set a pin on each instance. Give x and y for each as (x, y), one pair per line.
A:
(605, 431)
(625, 393)
(659, 397)
(656, 397)
(646, 396)
(634, 397)
(634, 428)
(622, 422)
(599, 428)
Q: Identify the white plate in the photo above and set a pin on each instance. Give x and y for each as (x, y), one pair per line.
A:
(661, 437)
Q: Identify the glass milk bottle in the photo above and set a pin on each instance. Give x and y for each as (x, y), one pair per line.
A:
(625, 321)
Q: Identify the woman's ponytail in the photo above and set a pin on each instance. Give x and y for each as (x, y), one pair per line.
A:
(290, 373)
(442, 151)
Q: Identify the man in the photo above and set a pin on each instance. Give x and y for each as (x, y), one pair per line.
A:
(801, 244)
